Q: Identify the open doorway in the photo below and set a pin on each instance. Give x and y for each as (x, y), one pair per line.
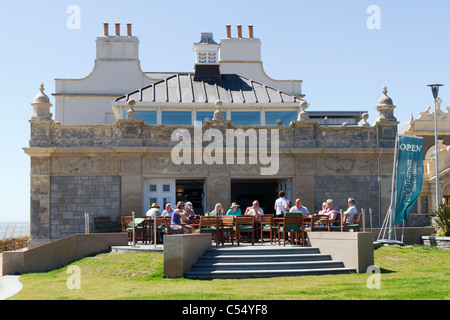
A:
(244, 191)
(191, 190)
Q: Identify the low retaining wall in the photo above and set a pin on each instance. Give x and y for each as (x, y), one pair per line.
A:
(182, 251)
(435, 241)
(59, 253)
(412, 235)
(354, 249)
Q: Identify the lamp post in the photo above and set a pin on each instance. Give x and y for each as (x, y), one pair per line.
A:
(435, 91)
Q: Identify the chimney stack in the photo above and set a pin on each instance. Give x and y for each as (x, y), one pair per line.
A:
(250, 31)
(118, 29)
(106, 29)
(239, 31)
(228, 30)
(128, 29)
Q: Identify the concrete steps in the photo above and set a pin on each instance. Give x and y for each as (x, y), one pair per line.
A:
(264, 261)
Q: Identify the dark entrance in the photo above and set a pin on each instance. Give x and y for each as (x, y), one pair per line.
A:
(244, 191)
(191, 190)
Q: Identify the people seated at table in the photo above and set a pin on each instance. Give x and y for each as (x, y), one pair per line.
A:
(324, 208)
(331, 212)
(218, 211)
(351, 212)
(234, 210)
(169, 210)
(281, 204)
(255, 210)
(299, 208)
(178, 221)
(153, 211)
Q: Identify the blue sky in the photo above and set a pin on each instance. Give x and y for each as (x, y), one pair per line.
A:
(327, 44)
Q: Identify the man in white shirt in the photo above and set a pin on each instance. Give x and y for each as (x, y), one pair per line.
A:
(281, 205)
(351, 211)
(299, 208)
(255, 210)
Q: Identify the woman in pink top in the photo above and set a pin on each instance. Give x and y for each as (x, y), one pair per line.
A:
(330, 211)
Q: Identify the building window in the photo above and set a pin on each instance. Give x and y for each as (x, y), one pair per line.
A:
(149, 116)
(201, 115)
(152, 188)
(273, 117)
(176, 117)
(246, 118)
(166, 187)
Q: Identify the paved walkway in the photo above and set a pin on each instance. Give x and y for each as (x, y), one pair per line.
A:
(9, 286)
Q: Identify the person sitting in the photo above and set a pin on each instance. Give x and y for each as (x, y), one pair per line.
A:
(169, 210)
(153, 211)
(178, 221)
(331, 212)
(299, 208)
(190, 214)
(351, 212)
(234, 210)
(218, 211)
(255, 210)
(324, 208)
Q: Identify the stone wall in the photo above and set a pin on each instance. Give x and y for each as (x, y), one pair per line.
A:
(72, 196)
(364, 188)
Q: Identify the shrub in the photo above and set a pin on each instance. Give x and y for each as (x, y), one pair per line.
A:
(442, 218)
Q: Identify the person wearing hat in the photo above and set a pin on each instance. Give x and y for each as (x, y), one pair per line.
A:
(153, 211)
(234, 210)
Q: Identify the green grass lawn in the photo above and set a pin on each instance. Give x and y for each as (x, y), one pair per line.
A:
(409, 272)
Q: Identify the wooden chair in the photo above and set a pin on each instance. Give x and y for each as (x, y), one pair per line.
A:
(245, 224)
(291, 224)
(117, 226)
(161, 226)
(102, 224)
(266, 226)
(228, 228)
(354, 224)
(210, 224)
(141, 230)
(125, 221)
(337, 227)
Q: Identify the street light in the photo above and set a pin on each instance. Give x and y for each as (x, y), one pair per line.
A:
(435, 91)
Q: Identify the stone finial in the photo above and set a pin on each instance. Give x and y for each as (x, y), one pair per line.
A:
(218, 114)
(131, 113)
(303, 115)
(365, 116)
(385, 108)
(41, 105)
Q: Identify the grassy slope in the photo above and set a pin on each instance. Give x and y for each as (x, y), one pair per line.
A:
(415, 272)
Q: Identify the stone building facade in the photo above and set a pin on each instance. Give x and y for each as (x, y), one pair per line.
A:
(114, 169)
(424, 126)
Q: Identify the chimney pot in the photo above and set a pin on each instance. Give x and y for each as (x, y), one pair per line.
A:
(118, 29)
(129, 29)
(228, 31)
(250, 31)
(239, 31)
(106, 29)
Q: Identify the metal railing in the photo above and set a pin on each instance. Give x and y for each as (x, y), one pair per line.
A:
(13, 231)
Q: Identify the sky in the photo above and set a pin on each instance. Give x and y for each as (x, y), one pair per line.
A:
(343, 51)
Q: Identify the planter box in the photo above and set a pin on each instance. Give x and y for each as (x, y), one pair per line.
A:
(440, 242)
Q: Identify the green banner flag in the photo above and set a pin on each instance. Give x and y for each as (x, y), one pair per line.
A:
(409, 175)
